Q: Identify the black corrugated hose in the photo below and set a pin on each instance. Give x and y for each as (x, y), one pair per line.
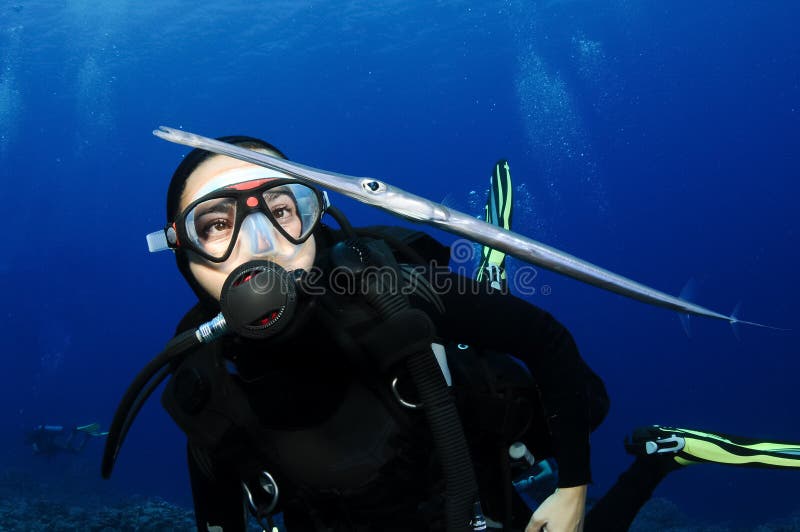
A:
(461, 497)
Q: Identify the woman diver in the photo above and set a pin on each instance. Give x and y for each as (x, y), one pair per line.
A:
(331, 407)
(330, 402)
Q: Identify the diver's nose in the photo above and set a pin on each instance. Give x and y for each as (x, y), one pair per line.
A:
(257, 236)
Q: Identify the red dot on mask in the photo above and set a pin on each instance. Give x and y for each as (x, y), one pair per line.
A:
(252, 202)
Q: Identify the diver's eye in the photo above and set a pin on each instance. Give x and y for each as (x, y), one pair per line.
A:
(213, 219)
(282, 213)
(215, 229)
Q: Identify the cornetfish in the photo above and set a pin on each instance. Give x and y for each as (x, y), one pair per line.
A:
(389, 198)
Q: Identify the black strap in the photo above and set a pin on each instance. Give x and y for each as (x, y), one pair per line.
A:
(361, 363)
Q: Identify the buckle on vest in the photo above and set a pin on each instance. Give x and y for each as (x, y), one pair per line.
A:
(262, 497)
(407, 404)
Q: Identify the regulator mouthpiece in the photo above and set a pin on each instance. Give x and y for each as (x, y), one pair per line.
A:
(258, 299)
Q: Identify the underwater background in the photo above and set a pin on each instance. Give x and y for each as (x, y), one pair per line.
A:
(660, 140)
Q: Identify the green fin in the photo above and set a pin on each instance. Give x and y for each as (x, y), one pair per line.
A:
(498, 210)
(92, 429)
(688, 446)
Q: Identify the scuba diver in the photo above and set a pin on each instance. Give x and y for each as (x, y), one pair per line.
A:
(364, 386)
(359, 397)
(50, 440)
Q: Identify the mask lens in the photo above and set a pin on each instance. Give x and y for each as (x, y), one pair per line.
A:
(295, 208)
(210, 225)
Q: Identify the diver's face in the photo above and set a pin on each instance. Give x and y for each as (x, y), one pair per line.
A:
(211, 275)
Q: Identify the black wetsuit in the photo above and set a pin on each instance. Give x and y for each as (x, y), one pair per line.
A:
(392, 482)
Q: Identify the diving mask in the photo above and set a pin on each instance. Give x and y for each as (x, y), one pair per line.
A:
(267, 209)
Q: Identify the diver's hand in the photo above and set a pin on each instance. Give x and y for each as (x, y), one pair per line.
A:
(560, 512)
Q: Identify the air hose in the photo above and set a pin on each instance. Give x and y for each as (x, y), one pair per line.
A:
(140, 389)
(258, 301)
(408, 336)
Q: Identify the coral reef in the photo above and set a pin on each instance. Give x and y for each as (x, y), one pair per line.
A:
(23, 513)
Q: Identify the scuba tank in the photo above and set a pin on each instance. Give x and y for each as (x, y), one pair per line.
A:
(534, 480)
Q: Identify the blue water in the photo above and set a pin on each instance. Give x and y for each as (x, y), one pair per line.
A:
(659, 142)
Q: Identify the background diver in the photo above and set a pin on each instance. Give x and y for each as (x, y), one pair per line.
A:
(49, 440)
